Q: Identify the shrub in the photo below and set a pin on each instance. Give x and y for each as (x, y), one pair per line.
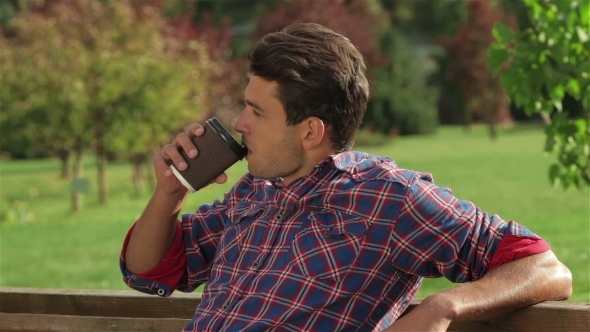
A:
(402, 102)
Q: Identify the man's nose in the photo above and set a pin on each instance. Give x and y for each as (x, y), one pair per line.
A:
(240, 126)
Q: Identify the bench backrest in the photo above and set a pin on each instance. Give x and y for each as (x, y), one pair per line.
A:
(33, 309)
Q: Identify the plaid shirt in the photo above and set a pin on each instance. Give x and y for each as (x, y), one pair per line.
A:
(344, 248)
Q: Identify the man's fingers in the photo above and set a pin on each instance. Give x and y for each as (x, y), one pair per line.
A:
(184, 142)
(172, 155)
(194, 129)
(160, 165)
(221, 179)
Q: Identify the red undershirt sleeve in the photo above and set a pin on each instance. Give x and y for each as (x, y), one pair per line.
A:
(512, 247)
(172, 267)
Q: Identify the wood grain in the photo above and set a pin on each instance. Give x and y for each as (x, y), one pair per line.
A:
(97, 303)
(67, 323)
(41, 310)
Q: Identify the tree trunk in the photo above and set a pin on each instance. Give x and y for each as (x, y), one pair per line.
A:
(492, 109)
(77, 170)
(64, 157)
(150, 176)
(467, 118)
(101, 159)
(138, 177)
(492, 125)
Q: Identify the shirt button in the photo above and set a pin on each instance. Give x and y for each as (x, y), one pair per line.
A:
(255, 264)
(327, 234)
(225, 306)
(161, 292)
(279, 216)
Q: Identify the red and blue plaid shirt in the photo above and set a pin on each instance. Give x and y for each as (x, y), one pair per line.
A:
(344, 248)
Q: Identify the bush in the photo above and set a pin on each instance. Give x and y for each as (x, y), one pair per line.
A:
(403, 103)
(365, 138)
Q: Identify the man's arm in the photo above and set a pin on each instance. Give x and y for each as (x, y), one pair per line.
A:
(513, 285)
(154, 231)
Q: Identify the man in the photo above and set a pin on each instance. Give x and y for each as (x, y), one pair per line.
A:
(319, 238)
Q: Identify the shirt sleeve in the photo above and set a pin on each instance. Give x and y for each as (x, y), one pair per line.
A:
(437, 235)
(512, 247)
(187, 263)
(165, 276)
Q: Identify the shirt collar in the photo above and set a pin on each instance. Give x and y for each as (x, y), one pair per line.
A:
(351, 162)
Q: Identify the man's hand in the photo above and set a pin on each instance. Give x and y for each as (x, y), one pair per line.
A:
(170, 155)
(428, 316)
(154, 231)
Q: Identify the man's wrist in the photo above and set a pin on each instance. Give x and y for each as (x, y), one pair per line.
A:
(442, 306)
(177, 198)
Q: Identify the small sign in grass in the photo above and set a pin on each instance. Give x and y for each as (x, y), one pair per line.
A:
(80, 186)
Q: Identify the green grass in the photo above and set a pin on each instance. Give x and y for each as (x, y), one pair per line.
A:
(46, 245)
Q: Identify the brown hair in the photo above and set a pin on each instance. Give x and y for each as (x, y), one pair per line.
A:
(319, 73)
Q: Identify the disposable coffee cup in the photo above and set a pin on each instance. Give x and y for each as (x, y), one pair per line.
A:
(218, 151)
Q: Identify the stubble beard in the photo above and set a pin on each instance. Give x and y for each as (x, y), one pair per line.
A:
(282, 160)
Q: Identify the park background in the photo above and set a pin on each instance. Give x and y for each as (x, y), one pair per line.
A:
(89, 89)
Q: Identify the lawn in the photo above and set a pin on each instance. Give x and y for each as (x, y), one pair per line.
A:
(46, 245)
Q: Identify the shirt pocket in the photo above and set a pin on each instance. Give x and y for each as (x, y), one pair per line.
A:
(328, 246)
(239, 218)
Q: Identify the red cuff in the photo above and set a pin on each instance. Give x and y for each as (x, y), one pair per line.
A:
(172, 267)
(512, 247)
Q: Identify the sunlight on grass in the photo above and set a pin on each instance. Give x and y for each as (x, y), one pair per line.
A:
(47, 245)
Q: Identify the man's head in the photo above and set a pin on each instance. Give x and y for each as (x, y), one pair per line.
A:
(319, 74)
(305, 100)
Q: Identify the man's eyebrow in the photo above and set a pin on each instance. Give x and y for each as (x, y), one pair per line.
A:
(253, 104)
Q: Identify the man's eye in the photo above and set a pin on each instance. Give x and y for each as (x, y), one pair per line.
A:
(255, 113)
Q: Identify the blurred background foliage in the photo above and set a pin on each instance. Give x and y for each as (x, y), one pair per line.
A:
(116, 79)
(468, 90)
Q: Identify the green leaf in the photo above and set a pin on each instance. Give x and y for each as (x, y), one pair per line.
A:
(497, 56)
(558, 92)
(554, 172)
(582, 34)
(581, 125)
(549, 144)
(503, 33)
(573, 87)
(557, 104)
(543, 56)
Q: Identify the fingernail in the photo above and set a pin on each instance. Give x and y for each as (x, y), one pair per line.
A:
(192, 153)
(199, 131)
(182, 166)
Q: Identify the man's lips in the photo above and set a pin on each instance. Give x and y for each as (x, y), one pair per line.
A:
(245, 144)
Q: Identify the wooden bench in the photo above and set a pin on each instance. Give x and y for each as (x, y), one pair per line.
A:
(40, 310)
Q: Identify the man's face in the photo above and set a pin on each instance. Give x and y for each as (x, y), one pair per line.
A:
(274, 149)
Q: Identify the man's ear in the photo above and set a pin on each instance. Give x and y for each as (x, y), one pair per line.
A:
(312, 132)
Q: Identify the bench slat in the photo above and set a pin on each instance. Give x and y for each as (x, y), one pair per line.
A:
(97, 303)
(67, 323)
(21, 306)
(548, 316)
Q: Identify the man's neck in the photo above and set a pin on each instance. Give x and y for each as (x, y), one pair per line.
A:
(311, 160)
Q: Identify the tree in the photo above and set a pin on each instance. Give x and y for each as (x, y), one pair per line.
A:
(211, 23)
(539, 67)
(106, 71)
(227, 77)
(402, 103)
(467, 56)
(426, 17)
(40, 95)
(363, 22)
